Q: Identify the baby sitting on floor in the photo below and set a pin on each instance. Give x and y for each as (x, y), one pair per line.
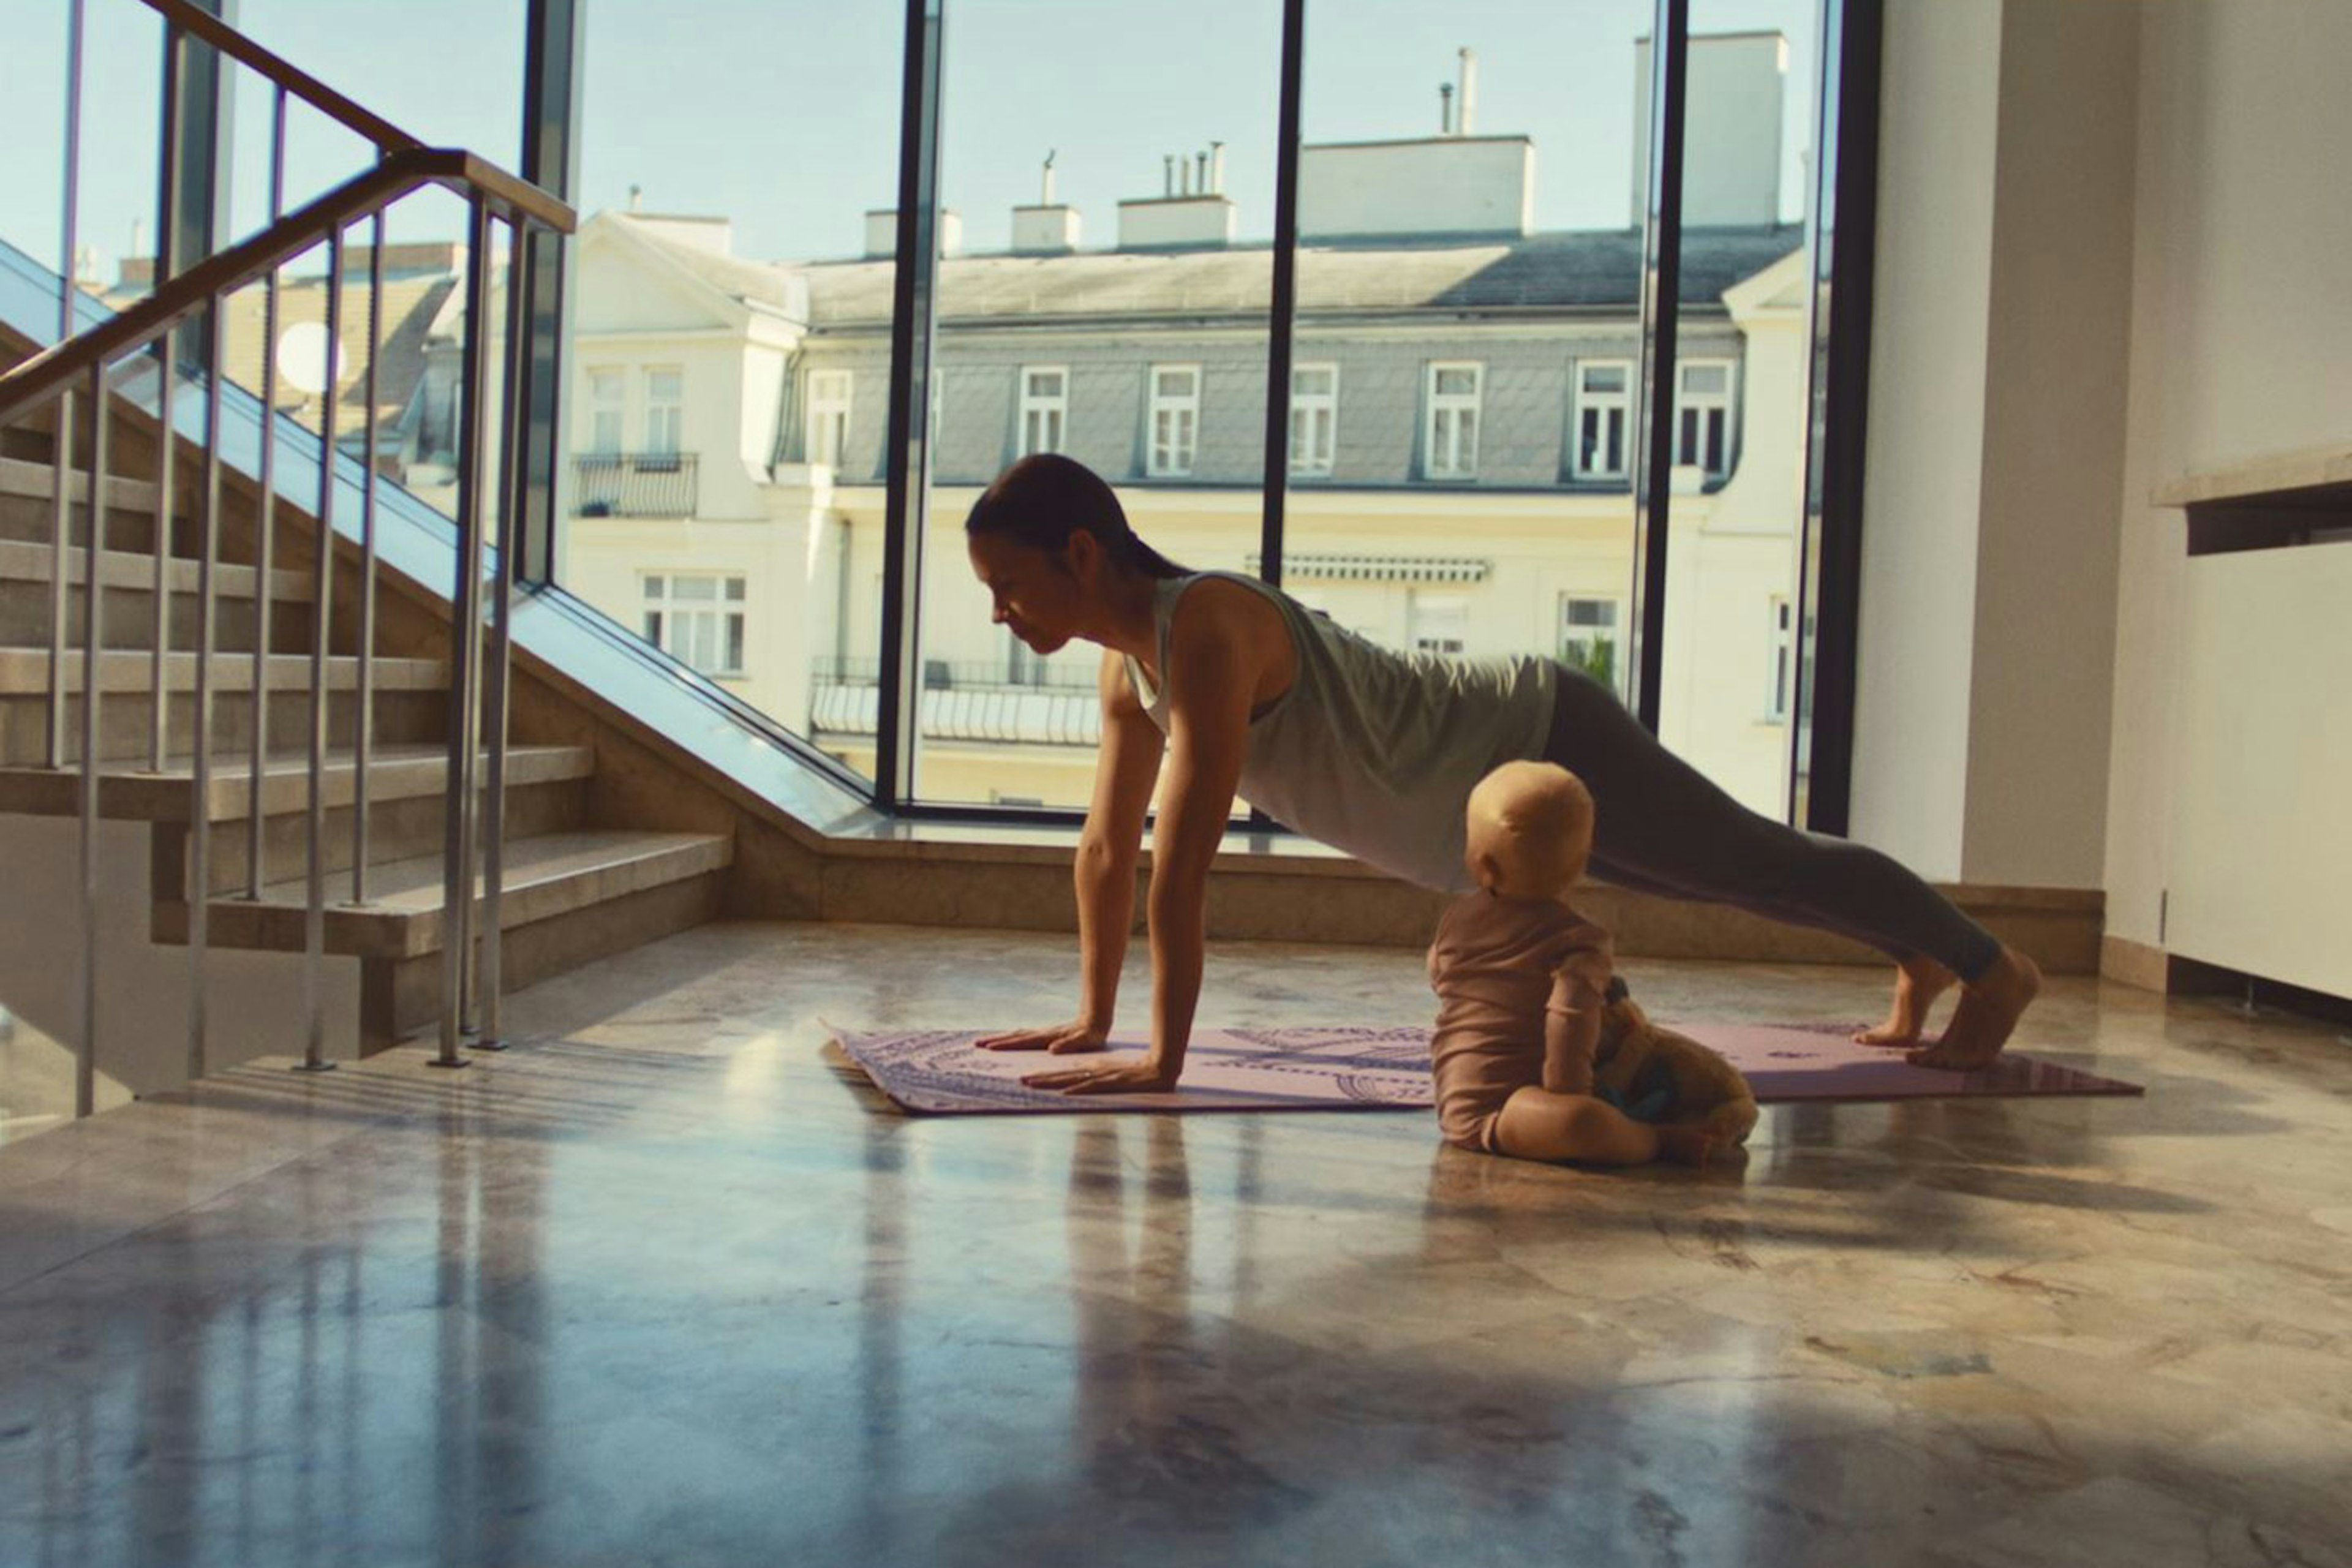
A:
(1537, 1053)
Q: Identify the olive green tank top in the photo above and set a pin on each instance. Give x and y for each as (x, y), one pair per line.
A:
(1371, 751)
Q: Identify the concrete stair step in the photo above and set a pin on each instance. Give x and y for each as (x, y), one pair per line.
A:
(402, 771)
(410, 703)
(28, 579)
(24, 672)
(28, 507)
(548, 877)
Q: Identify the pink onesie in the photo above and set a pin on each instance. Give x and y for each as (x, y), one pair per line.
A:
(1498, 966)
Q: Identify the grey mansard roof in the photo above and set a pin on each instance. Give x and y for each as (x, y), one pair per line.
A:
(1593, 270)
(1573, 271)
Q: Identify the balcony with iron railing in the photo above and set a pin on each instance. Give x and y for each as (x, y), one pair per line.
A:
(635, 484)
(979, 701)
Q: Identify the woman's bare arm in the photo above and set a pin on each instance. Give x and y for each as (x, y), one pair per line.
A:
(1213, 672)
(1127, 766)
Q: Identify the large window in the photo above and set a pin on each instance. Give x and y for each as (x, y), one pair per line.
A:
(1738, 427)
(665, 412)
(1107, 299)
(1314, 419)
(698, 618)
(1703, 417)
(1103, 288)
(730, 299)
(608, 410)
(1044, 408)
(1451, 439)
(1175, 419)
(828, 415)
(1588, 636)
(1605, 401)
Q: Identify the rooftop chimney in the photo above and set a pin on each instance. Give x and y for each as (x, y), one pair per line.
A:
(882, 233)
(1445, 109)
(1469, 88)
(1731, 137)
(1192, 212)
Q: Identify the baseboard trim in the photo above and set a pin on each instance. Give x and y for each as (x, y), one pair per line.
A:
(2135, 963)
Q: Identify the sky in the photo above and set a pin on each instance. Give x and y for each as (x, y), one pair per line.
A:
(783, 114)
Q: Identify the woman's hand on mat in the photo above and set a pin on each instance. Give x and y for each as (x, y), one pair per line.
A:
(1146, 1077)
(1062, 1040)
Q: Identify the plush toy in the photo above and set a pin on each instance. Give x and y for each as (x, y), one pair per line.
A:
(1658, 1075)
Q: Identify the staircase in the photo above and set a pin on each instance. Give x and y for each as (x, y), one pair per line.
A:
(573, 885)
(329, 750)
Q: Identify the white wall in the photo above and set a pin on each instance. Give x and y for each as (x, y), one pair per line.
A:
(1939, 125)
(2240, 338)
(1996, 438)
(253, 1000)
(2053, 425)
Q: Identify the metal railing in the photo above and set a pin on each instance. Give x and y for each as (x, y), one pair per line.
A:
(136, 357)
(942, 674)
(637, 484)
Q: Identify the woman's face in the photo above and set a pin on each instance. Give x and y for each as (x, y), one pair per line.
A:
(1038, 594)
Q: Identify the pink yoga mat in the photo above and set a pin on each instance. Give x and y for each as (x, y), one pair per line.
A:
(940, 1070)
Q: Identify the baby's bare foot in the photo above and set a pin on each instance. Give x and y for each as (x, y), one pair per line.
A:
(1917, 983)
(1990, 1008)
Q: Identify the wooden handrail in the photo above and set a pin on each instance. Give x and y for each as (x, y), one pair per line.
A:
(38, 378)
(203, 25)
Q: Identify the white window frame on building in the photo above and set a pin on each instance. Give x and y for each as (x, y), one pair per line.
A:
(664, 411)
(829, 393)
(1450, 429)
(704, 627)
(1314, 419)
(1781, 692)
(1044, 416)
(608, 410)
(1440, 623)
(1175, 421)
(1587, 620)
(1602, 421)
(1703, 418)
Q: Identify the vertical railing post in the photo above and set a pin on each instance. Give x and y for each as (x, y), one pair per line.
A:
(200, 769)
(61, 424)
(322, 603)
(364, 721)
(465, 651)
(167, 360)
(92, 746)
(266, 552)
(513, 480)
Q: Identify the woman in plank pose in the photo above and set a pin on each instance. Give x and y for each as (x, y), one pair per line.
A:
(1235, 689)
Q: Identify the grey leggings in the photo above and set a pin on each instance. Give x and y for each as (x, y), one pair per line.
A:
(1662, 826)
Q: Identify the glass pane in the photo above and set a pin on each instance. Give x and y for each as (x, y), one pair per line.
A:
(1143, 249)
(1706, 380)
(717, 195)
(1743, 349)
(693, 588)
(1407, 222)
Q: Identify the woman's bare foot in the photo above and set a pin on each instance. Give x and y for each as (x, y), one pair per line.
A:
(1990, 1008)
(1686, 1145)
(1918, 981)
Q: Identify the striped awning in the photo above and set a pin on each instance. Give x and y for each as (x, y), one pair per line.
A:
(1381, 568)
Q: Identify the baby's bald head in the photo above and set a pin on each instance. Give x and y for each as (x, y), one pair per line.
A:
(1530, 830)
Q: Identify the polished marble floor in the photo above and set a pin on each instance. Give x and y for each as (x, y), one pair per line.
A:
(663, 1286)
